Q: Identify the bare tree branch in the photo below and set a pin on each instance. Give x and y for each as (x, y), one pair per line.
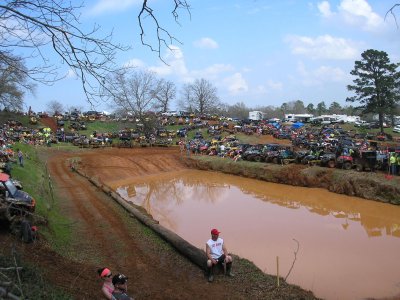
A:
(164, 38)
(40, 26)
(295, 258)
(391, 11)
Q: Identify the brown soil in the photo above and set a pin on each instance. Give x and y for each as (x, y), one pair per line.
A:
(49, 122)
(105, 235)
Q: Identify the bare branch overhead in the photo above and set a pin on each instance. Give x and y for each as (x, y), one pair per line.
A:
(164, 38)
(35, 27)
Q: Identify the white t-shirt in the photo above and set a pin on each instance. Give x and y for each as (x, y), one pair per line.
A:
(216, 247)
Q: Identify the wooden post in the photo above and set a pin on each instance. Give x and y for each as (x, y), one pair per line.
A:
(277, 271)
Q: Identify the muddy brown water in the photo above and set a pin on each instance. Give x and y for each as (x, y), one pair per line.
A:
(349, 248)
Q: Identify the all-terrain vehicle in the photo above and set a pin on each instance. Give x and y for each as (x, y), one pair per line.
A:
(328, 160)
(365, 160)
(16, 208)
(285, 157)
(345, 162)
(77, 125)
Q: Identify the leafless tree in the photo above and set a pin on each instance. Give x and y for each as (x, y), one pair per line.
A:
(13, 82)
(238, 110)
(134, 92)
(74, 108)
(200, 96)
(166, 92)
(55, 107)
(34, 27)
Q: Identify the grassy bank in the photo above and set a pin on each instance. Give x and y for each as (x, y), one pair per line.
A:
(31, 281)
(37, 182)
(368, 185)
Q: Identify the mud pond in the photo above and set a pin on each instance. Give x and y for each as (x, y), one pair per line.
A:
(349, 248)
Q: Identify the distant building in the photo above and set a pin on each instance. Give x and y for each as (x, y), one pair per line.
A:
(256, 115)
(305, 118)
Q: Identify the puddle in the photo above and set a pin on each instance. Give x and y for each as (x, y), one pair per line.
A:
(349, 247)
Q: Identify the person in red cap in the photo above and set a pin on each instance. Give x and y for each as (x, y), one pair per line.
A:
(107, 287)
(217, 254)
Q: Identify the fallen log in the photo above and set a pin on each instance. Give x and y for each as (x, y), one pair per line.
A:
(194, 254)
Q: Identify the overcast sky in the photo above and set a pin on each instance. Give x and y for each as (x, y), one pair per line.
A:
(260, 52)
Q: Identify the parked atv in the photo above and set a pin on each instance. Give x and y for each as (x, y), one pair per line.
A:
(285, 157)
(328, 160)
(16, 208)
(366, 160)
(345, 162)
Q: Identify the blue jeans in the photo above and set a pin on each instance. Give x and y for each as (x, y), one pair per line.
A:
(393, 169)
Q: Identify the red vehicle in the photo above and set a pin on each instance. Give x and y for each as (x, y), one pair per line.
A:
(345, 162)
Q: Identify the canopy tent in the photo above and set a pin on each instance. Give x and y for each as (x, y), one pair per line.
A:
(297, 125)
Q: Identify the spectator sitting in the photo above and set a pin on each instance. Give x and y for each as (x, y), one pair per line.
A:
(120, 287)
(217, 254)
(107, 287)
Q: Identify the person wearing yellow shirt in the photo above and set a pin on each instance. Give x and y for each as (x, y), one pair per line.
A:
(393, 164)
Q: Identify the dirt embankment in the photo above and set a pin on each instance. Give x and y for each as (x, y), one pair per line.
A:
(369, 185)
(49, 122)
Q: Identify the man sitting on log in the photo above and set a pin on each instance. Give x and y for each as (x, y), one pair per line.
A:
(217, 254)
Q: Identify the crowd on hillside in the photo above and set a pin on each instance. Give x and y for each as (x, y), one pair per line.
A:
(301, 142)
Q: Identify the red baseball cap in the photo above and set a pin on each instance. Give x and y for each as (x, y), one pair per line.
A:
(215, 231)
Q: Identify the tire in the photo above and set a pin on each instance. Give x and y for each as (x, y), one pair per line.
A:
(26, 232)
(347, 165)
(285, 161)
(331, 164)
(275, 160)
(257, 159)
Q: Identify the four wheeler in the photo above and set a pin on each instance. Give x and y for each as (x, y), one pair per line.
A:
(285, 157)
(366, 160)
(329, 160)
(345, 162)
(252, 154)
(16, 208)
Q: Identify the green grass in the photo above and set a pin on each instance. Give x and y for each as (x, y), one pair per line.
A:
(35, 180)
(99, 126)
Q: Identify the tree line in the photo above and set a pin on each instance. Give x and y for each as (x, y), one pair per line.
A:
(36, 26)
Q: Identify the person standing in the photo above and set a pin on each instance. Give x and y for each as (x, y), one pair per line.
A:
(217, 254)
(107, 288)
(20, 157)
(392, 164)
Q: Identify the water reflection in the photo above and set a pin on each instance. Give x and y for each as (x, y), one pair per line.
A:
(349, 246)
(377, 219)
